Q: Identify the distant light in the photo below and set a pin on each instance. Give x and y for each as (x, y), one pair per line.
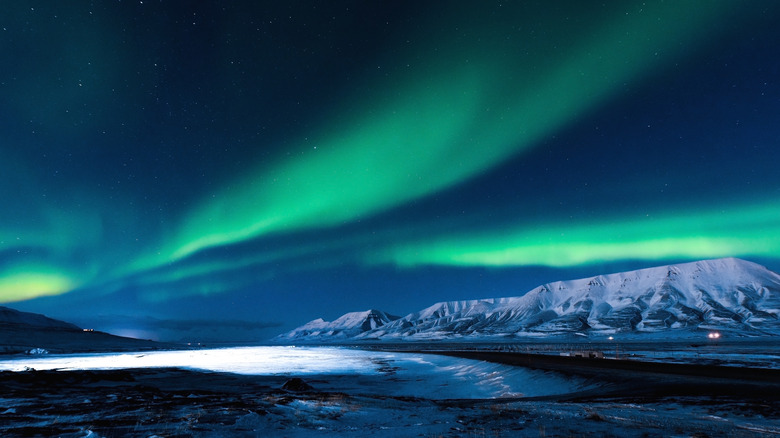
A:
(713, 335)
(610, 338)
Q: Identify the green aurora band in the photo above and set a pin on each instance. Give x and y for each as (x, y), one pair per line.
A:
(742, 231)
(443, 127)
(31, 280)
(465, 108)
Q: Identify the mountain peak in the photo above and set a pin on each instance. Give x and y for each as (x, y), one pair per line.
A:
(727, 294)
(346, 326)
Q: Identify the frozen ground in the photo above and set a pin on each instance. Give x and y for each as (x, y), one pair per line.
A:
(338, 369)
(250, 392)
(751, 352)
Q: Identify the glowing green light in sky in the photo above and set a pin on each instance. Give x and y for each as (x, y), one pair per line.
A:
(749, 231)
(430, 131)
(31, 281)
(434, 102)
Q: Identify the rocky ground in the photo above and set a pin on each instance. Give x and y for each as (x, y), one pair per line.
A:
(182, 403)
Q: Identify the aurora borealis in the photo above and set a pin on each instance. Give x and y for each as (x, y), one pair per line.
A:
(260, 165)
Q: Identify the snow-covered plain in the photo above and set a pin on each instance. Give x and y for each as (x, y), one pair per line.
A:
(243, 392)
(386, 373)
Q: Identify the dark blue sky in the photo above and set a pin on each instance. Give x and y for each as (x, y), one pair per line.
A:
(227, 171)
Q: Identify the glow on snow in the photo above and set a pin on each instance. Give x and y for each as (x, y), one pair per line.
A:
(446, 377)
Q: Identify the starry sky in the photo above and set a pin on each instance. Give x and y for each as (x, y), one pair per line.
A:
(226, 171)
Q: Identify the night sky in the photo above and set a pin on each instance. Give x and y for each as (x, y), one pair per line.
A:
(226, 171)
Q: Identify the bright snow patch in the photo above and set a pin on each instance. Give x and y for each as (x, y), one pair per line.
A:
(396, 374)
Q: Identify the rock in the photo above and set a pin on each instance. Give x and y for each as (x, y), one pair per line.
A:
(296, 384)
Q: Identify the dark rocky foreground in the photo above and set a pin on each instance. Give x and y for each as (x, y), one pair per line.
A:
(137, 402)
(183, 403)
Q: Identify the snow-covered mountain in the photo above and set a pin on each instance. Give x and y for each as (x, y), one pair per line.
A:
(347, 326)
(725, 294)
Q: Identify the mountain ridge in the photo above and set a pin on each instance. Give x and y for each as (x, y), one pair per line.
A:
(727, 294)
(349, 325)
(22, 332)
(9, 316)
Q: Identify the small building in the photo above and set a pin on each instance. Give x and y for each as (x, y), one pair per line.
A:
(586, 354)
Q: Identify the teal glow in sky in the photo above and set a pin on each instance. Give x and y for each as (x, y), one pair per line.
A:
(279, 163)
(743, 231)
(425, 133)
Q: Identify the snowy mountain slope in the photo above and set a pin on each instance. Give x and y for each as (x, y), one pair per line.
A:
(24, 331)
(727, 294)
(347, 326)
(10, 316)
